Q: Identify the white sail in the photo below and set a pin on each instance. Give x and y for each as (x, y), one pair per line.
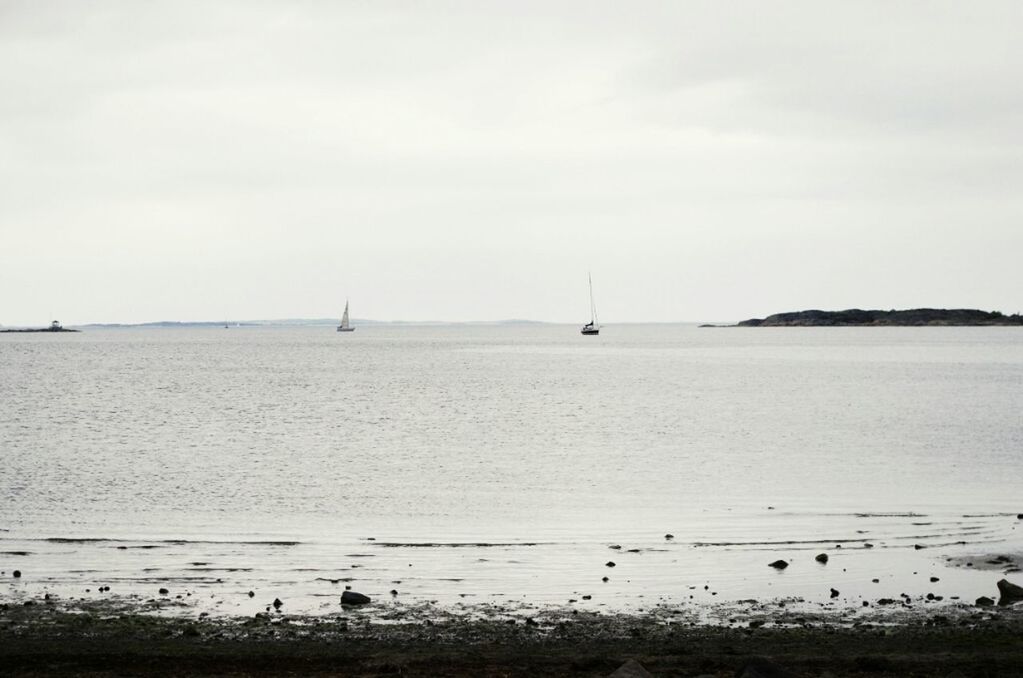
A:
(346, 325)
(592, 327)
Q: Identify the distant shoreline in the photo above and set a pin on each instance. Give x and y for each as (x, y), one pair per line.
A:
(917, 317)
(39, 329)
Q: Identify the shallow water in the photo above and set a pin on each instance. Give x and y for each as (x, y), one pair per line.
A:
(491, 464)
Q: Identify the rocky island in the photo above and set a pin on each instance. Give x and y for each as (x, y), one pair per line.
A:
(908, 318)
(55, 326)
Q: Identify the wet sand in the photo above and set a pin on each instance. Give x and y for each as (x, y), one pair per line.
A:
(116, 638)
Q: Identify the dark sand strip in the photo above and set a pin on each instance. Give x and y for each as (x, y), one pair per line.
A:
(40, 641)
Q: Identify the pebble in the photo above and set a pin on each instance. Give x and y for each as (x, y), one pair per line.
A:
(610, 563)
(822, 558)
(834, 593)
(163, 592)
(17, 574)
(277, 603)
(779, 565)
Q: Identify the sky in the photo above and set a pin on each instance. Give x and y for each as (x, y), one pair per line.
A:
(706, 161)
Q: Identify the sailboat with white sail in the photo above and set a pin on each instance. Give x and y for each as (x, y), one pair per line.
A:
(346, 324)
(592, 327)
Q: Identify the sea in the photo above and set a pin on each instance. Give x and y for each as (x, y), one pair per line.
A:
(511, 467)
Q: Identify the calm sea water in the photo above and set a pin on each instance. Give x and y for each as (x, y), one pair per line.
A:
(494, 464)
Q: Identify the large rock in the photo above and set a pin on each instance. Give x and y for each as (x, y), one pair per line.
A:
(353, 598)
(631, 669)
(1010, 593)
(822, 558)
(779, 564)
(762, 667)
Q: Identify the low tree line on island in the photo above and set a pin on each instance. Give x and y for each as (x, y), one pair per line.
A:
(910, 317)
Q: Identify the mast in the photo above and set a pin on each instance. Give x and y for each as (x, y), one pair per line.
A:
(593, 306)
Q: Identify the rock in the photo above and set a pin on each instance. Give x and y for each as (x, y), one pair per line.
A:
(1019, 516)
(918, 547)
(615, 547)
(631, 669)
(163, 592)
(604, 579)
(587, 597)
(252, 594)
(822, 558)
(934, 579)
(1010, 593)
(779, 564)
(834, 593)
(17, 574)
(876, 581)
(277, 603)
(761, 667)
(610, 563)
(669, 537)
(984, 601)
(756, 623)
(394, 592)
(353, 598)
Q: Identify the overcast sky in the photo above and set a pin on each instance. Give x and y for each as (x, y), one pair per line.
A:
(473, 160)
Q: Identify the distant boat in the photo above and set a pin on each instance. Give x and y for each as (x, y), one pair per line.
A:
(592, 327)
(346, 325)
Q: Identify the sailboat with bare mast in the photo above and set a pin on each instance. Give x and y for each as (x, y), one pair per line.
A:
(592, 327)
(346, 325)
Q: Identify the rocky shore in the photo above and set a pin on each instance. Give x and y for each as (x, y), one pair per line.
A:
(110, 638)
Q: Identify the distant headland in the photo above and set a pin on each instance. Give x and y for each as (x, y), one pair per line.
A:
(55, 326)
(915, 317)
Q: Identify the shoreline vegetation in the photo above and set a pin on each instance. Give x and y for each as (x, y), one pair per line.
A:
(107, 639)
(917, 317)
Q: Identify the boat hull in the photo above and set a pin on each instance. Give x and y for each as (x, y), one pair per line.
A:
(346, 329)
(589, 332)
